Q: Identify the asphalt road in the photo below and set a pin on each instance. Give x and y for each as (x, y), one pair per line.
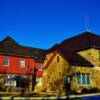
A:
(86, 98)
(92, 98)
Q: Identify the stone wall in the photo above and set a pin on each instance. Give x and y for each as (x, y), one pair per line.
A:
(56, 69)
(93, 55)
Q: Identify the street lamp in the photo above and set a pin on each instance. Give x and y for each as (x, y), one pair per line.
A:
(68, 85)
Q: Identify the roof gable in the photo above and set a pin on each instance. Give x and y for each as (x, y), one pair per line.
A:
(69, 47)
(9, 46)
(72, 59)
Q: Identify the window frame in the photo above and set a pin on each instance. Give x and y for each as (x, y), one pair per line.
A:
(8, 82)
(40, 67)
(86, 79)
(22, 65)
(38, 79)
(6, 59)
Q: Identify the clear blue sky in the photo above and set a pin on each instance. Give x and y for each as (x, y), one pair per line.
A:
(43, 23)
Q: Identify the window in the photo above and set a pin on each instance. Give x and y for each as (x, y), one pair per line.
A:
(9, 80)
(83, 79)
(79, 78)
(99, 55)
(38, 79)
(22, 63)
(6, 62)
(40, 67)
(58, 59)
(88, 79)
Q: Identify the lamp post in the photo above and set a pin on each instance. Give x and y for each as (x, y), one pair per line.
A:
(68, 85)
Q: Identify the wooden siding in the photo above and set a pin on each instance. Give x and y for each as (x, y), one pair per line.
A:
(15, 68)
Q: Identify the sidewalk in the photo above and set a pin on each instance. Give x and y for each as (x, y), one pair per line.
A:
(48, 98)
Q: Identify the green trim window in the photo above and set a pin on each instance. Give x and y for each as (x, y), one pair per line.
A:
(83, 79)
(38, 79)
(88, 79)
(78, 78)
(22, 63)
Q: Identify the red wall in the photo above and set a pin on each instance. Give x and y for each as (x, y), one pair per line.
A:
(14, 66)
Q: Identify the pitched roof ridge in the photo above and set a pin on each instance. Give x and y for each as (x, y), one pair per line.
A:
(9, 38)
(88, 34)
(9, 46)
(32, 47)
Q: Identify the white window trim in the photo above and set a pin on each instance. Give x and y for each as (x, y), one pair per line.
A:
(81, 79)
(22, 66)
(40, 81)
(85, 80)
(8, 84)
(8, 62)
(13, 83)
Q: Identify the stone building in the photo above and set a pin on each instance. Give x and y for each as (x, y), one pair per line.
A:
(78, 57)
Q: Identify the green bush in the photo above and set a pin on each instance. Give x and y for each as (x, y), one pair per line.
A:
(92, 90)
(95, 90)
(85, 91)
(74, 92)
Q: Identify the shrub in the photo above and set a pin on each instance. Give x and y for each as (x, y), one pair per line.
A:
(85, 90)
(92, 90)
(74, 92)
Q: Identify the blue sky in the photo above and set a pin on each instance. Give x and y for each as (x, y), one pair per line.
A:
(43, 23)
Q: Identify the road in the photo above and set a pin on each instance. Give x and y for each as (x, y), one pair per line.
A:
(92, 98)
(96, 97)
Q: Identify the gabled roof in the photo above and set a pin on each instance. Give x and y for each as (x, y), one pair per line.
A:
(71, 58)
(74, 58)
(9, 46)
(69, 47)
(82, 41)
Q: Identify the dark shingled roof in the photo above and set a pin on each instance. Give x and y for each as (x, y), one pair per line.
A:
(9, 46)
(69, 47)
(74, 58)
(82, 41)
